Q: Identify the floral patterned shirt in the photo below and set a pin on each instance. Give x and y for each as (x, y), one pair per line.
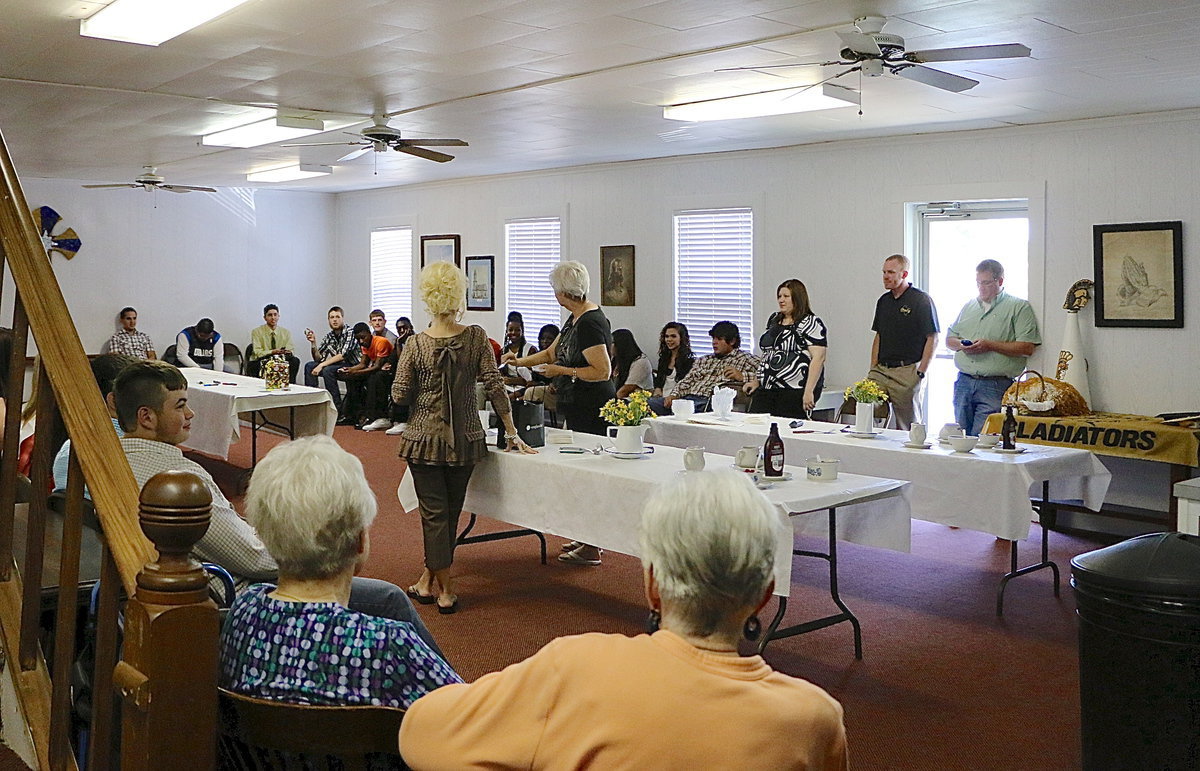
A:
(323, 653)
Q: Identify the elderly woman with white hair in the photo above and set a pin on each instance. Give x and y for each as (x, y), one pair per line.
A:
(680, 697)
(444, 439)
(299, 641)
(579, 364)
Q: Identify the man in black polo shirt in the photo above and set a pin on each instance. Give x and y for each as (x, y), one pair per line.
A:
(906, 330)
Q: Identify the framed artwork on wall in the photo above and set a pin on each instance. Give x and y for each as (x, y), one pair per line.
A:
(1139, 274)
(481, 283)
(617, 275)
(447, 248)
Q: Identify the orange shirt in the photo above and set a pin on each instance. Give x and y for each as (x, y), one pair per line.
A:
(609, 701)
(379, 348)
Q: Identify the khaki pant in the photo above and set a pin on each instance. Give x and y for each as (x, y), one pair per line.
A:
(901, 384)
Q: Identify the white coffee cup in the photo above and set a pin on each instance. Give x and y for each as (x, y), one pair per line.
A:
(747, 457)
(916, 433)
(683, 408)
(822, 469)
(989, 440)
(693, 459)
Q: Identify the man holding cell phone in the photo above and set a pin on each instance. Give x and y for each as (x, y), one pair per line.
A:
(993, 336)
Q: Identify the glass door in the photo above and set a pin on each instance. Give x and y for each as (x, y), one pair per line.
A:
(951, 238)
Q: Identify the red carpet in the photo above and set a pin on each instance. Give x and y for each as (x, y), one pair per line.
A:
(944, 683)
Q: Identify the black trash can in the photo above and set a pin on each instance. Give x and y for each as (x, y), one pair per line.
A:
(1139, 653)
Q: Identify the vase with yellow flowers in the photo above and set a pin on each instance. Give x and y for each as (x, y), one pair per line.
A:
(866, 393)
(626, 416)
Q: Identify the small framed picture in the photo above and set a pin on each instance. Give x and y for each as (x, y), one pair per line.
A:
(481, 283)
(447, 248)
(1139, 274)
(617, 275)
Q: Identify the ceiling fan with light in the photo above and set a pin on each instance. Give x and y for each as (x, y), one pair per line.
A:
(871, 51)
(150, 180)
(381, 137)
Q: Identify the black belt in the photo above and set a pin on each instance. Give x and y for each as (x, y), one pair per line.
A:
(986, 377)
(898, 363)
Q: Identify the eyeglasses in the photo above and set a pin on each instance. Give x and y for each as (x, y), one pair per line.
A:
(991, 282)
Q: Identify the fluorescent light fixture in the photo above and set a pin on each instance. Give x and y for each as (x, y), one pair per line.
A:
(780, 101)
(264, 132)
(150, 22)
(289, 173)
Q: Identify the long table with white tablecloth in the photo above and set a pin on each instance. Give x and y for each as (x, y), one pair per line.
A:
(982, 490)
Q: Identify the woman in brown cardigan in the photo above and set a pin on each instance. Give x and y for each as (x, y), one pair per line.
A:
(444, 439)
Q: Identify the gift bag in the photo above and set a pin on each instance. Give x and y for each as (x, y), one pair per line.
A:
(529, 418)
(1033, 394)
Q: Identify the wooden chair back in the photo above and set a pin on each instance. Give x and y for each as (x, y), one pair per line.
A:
(263, 734)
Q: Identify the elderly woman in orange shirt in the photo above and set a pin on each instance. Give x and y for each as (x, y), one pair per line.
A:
(680, 697)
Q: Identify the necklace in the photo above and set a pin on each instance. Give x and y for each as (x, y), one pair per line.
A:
(285, 596)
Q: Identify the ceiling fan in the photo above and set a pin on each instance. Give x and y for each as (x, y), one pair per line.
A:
(150, 180)
(381, 137)
(871, 51)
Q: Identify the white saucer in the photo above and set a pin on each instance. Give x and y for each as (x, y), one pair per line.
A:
(1013, 451)
(915, 446)
(628, 455)
(787, 477)
(864, 434)
(736, 467)
(964, 452)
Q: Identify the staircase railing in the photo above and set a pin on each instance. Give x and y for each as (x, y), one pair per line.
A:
(166, 622)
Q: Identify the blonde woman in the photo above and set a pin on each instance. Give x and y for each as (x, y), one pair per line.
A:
(444, 439)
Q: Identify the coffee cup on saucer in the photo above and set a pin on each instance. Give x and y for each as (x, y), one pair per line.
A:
(949, 430)
(989, 440)
(916, 433)
(747, 457)
(693, 459)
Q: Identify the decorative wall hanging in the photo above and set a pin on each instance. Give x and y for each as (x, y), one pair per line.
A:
(66, 243)
(481, 283)
(446, 248)
(617, 275)
(1139, 274)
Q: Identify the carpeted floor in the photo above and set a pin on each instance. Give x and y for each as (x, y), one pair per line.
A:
(944, 683)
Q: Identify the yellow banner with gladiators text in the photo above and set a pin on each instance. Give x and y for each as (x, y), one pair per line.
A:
(1110, 433)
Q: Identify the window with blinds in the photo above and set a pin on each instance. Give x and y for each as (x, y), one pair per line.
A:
(391, 272)
(714, 273)
(532, 249)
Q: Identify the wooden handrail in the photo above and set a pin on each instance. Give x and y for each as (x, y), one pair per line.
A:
(113, 488)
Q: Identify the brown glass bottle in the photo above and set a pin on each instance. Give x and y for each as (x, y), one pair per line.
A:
(773, 453)
(1008, 429)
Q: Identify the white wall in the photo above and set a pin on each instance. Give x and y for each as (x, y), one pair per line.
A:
(829, 213)
(177, 258)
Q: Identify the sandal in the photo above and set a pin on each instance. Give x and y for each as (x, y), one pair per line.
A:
(576, 558)
(446, 610)
(424, 599)
(572, 545)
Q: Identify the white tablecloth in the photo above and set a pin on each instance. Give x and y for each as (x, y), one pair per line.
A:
(981, 490)
(598, 499)
(216, 425)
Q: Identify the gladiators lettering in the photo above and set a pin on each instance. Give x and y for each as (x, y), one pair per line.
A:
(1088, 435)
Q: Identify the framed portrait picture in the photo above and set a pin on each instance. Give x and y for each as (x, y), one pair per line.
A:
(481, 283)
(446, 248)
(617, 275)
(1139, 274)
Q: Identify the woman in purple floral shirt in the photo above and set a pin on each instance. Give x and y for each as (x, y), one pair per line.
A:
(298, 641)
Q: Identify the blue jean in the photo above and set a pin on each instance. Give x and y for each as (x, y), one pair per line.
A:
(329, 378)
(386, 600)
(975, 399)
(659, 408)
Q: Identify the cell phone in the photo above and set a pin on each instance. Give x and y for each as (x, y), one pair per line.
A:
(571, 449)
(965, 343)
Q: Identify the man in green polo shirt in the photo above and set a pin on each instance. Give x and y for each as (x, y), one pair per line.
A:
(992, 337)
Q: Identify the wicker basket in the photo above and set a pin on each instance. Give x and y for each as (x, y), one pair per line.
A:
(1044, 397)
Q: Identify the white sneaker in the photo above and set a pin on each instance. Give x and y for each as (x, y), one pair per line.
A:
(379, 424)
(396, 429)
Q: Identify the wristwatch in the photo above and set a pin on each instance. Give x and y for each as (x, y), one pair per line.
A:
(920, 374)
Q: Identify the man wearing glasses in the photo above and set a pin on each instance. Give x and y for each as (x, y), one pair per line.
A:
(992, 338)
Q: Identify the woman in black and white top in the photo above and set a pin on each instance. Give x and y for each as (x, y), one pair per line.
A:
(514, 340)
(631, 368)
(793, 354)
(675, 357)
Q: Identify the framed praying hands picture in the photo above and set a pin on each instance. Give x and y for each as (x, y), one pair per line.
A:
(1139, 274)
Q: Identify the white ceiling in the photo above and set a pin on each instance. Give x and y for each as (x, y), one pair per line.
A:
(534, 84)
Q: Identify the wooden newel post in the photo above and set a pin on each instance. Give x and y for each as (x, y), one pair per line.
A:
(167, 677)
